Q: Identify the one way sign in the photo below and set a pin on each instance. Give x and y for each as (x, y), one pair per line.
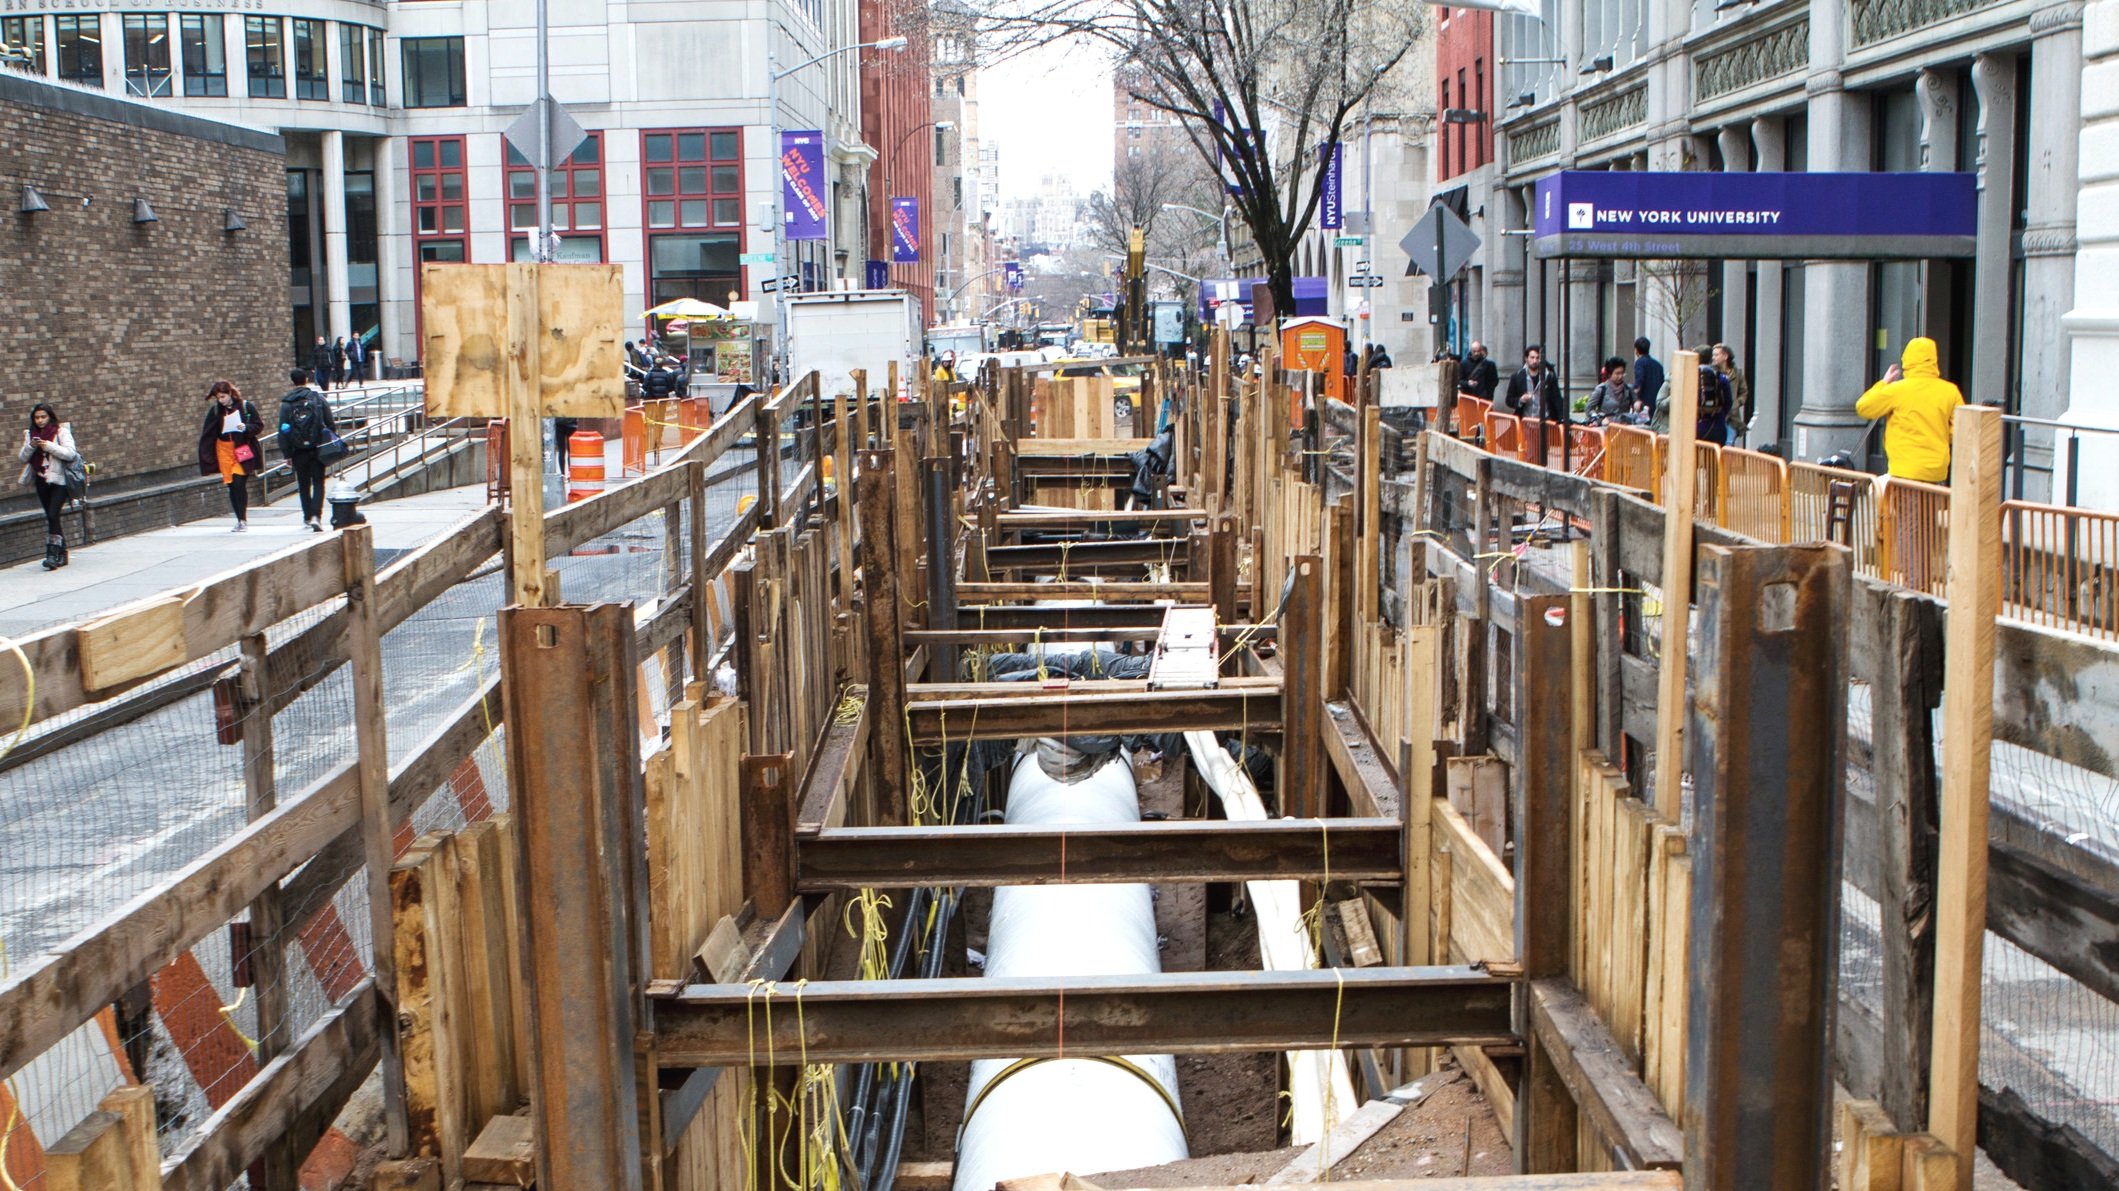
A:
(1439, 244)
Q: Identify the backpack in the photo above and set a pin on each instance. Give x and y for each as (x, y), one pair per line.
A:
(301, 422)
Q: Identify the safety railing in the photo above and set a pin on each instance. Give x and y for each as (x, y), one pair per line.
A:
(1753, 495)
(2059, 567)
(1912, 533)
(1633, 458)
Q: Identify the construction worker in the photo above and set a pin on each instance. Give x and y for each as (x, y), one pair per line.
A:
(1921, 406)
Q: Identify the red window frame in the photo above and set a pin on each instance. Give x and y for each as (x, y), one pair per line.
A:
(691, 178)
(583, 171)
(441, 201)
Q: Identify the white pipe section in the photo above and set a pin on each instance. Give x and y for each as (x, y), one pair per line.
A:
(1070, 1115)
(1320, 1088)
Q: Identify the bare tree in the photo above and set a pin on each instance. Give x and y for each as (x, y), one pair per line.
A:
(1260, 87)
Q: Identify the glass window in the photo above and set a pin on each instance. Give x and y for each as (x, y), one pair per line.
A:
(726, 146)
(312, 78)
(352, 64)
(577, 186)
(264, 57)
(694, 266)
(704, 177)
(376, 94)
(80, 41)
(205, 54)
(146, 54)
(442, 250)
(434, 72)
(22, 43)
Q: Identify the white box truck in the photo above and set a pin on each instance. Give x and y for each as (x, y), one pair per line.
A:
(836, 333)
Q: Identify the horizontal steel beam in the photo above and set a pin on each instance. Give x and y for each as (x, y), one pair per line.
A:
(1088, 616)
(1182, 591)
(1053, 556)
(1162, 853)
(1117, 713)
(1081, 518)
(864, 1021)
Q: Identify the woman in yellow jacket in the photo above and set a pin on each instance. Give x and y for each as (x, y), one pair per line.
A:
(1921, 405)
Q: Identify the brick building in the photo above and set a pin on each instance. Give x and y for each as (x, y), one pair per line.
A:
(897, 121)
(122, 316)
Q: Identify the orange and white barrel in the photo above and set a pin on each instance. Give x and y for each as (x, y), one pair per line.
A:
(584, 465)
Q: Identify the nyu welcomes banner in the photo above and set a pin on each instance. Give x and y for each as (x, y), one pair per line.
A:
(1012, 274)
(802, 184)
(1755, 216)
(904, 231)
(1330, 205)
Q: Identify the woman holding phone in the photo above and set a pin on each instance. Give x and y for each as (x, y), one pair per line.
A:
(228, 444)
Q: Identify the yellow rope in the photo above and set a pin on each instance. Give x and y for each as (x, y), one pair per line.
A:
(228, 1013)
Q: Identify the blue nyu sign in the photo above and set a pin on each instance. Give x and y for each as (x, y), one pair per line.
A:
(1879, 216)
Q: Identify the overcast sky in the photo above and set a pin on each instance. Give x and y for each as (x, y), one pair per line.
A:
(1050, 112)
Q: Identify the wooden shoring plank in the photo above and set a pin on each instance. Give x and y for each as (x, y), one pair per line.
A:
(1871, 1148)
(268, 951)
(1676, 582)
(1768, 741)
(834, 770)
(1420, 655)
(1121, 713)
(1361, 849)
(1629, 941)
(1663, 1027)
(429, 1072)
(1545, 1120)
(1974, 587)
(1482, 893)
(574, 773)
(1175, 1013)
(1339, 597)
(1368, 528)
(92, 1156)
(488, 974)
(1601, 1078)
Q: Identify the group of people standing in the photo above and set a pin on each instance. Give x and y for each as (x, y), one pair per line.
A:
(1635, 392)
(339, 363)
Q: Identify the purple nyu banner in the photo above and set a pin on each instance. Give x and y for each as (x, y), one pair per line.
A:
(1801, 216)
(802, 184)
(904, 231)
(1331, 204)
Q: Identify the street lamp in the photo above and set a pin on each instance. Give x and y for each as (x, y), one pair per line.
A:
(772, 135)
(1221, 221)
(888, 166)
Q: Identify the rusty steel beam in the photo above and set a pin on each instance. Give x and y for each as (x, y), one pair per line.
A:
(1768, 740)
(1113, 713)
(1070, 556)
(862, 1021)
(1032, 617)
(1194, 850)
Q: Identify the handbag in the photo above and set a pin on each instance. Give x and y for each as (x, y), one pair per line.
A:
(76, 471)
(332, 448)
(243, 453)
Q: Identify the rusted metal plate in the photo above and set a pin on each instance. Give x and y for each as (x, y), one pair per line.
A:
(1095, 714)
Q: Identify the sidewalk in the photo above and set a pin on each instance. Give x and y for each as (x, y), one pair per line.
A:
(104, 575)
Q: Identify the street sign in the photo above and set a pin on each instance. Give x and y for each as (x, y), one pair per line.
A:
(1365, 280)
(755, 258)
(1439, 244)
(567, 134)
(1346, 241)
(770, 285)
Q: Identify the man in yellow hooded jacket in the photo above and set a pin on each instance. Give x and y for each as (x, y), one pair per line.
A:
(1921, 406)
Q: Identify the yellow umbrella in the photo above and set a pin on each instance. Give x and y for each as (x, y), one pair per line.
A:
(688, 308)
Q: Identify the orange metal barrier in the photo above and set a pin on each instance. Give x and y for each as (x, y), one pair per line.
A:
(1813, 518)
(632, 455)
(1587, 446)
(1471, 412)
(497, 460)
(1754, 495)
(2060, 567)
(1707, 482)
(1912, 533)
(1504, 434)
(1633, 458)
(1541, 441)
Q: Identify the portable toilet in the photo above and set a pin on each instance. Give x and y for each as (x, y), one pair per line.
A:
(1313, 344)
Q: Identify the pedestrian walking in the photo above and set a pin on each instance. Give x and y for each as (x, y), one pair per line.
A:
(228, 444)
(338, 363)
(47, 447)
(1480, 376)
(1712, 423)
(1613, 399)
(1724, 361)
(1648, 377)
(1921, 406)
(357, 359)
(1534, 390)
(306, 425)
(320, 361)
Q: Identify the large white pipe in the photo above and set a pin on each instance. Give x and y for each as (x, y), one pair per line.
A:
(1070, 1115)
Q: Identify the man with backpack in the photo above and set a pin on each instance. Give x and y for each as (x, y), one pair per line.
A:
(306, 428)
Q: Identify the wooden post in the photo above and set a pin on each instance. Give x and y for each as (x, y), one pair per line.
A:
(702, 583)
(1545, 1123)
(767, 437)
(574, 773)
(520, 378)
(886, 633)
(268, 952)
(1302, 692)
(941, 567)
(1416, 791)
(1974, 587)
(364, 653)
(1682, 460)
(1472, 705)
(1768, 741)
(1368, 528)
(1610, 697)
(1340, 551)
